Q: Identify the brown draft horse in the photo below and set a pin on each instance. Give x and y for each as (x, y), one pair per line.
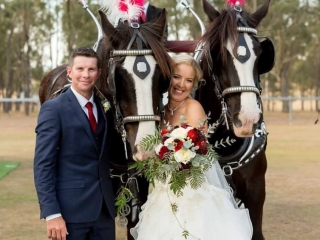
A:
(136, 71)
(232, 58)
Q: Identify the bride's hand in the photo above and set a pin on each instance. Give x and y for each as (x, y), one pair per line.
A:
(141, 155)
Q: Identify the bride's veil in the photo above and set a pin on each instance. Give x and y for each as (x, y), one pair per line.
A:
(216, 178)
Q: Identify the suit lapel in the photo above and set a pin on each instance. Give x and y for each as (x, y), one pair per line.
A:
(80, 114)
(102, 122)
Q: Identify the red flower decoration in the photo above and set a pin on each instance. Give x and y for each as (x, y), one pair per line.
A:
(233, 2)
(178, 145)
(163, 151)
(203, 148)
(183, 125)
(201, 136)
(184, 166)
(193, 135)
(123, 6)
(164, 132)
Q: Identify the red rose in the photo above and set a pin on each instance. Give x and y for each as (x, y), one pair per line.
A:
(184, 166)
(203, 148)
(193, 135)
(178, 145)
(164, 132)
(163, 151)
(184, 125)
(201, 137)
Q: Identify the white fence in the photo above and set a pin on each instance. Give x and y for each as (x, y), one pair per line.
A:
(310, 101)
(294, 103)
(21, 100)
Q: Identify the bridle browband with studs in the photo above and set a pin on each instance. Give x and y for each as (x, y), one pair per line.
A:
(120, 121)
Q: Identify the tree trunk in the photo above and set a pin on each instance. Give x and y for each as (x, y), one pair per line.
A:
(284, 85)
(9, 81)
(317, 88)
(69, 41)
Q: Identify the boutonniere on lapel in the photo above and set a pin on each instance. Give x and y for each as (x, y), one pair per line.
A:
(106, 105)
(104, 101)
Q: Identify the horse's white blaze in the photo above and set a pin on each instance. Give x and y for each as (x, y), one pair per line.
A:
(143, 90)
(250, 112)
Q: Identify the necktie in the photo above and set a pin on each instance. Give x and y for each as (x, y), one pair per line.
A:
(143, 17)
(92, 119)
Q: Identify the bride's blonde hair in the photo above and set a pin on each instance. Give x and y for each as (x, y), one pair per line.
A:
(188, 60)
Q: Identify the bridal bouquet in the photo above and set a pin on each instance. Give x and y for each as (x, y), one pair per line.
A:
(176, 155)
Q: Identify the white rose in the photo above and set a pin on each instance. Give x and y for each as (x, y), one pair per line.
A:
(169, 141)
(184, 155)
(179, 133)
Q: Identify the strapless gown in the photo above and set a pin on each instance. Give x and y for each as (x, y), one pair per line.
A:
(207, 213)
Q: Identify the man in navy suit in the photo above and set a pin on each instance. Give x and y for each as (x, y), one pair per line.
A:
(71, 163)
(152, 12)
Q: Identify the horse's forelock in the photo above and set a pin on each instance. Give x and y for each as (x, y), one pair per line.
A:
(154, 37)
(153, 33)
(221, 30)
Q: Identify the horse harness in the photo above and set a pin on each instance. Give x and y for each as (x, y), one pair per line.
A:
(251, 146)
(141, 69)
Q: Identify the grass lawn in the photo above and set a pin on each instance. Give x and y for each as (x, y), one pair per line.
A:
(291, 210)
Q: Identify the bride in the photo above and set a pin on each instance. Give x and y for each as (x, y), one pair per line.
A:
(208, 212)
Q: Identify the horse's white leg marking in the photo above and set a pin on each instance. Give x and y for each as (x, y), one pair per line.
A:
(143, 90)
(249, 112)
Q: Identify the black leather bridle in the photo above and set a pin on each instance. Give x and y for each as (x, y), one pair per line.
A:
(117, 56)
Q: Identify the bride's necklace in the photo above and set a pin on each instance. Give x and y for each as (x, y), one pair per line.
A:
(172, 110)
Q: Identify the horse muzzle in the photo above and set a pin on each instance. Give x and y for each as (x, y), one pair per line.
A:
(245, 125)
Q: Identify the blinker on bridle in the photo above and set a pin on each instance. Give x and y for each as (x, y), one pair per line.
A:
(141, 69)
(243, 55)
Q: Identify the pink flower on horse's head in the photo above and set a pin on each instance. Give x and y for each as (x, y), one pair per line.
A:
(233, 3)
(124, 5)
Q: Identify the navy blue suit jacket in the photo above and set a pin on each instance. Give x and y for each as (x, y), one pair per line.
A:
(154, 12)
(71, 163)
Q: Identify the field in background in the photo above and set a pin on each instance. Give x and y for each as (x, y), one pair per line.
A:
(291, 211)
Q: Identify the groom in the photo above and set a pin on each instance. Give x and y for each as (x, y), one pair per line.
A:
(152, 12)
(71, 162)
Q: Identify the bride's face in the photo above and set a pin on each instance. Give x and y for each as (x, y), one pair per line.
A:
(182, 82)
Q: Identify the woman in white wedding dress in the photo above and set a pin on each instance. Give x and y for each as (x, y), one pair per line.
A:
(208, 212)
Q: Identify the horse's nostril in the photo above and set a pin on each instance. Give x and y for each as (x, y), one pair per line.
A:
(236, 121)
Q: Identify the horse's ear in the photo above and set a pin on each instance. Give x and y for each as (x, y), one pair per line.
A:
(162, 19)
(261, 12)
(107, 27)
(211, 12)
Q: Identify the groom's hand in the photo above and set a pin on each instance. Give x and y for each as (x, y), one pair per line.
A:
(56, 229)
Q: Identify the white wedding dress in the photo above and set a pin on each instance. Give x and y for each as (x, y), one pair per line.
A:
(207, 213)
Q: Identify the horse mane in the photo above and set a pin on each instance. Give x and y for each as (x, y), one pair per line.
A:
(223, 29)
